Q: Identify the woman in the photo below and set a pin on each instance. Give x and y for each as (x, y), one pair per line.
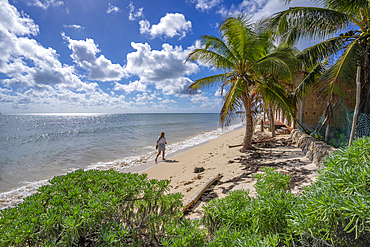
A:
(161, 141)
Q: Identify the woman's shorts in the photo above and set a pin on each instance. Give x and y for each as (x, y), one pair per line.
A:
(161, 147)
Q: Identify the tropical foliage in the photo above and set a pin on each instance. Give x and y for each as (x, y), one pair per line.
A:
(92, 208)
(344, 28)
(248, 61)
(333, 211)
(106, 208)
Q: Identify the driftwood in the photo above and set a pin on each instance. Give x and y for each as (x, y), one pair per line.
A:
(200, 192)
(253, 142)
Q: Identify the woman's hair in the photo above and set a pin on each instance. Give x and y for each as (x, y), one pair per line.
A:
(162, 134)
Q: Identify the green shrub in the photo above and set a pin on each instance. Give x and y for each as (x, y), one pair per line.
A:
(101, 208)
(185, 233)
(260, 221)
(336, 208)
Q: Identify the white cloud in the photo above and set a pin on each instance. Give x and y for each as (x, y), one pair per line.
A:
(37, 81)
(77, 27)
(205, 5)
(218, 92)
(13, 22)
(261, 8)
(164, 68)
(199, 98)
(144, 98)
(26, 62)
(133, 15)
(131, 87)
(100, 68)
(169, 26)
(44, 4)
(167, 101)
(112, 9)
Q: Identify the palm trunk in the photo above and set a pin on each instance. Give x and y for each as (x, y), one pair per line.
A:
(358, 93)
(247, 143)
(272, 121)
(327, 132)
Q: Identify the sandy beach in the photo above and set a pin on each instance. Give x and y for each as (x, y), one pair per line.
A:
(237, 169)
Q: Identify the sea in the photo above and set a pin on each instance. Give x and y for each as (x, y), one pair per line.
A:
(36, 147)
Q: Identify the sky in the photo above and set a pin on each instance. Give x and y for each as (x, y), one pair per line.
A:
(112, 56)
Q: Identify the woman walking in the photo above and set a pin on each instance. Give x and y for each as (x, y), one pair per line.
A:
(161, 141)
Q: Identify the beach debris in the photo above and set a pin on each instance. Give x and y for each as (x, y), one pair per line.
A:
(231, 161)
(200, 192)
(198, 169)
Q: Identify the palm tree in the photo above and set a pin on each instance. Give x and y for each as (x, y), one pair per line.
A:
(344, 27)
(241, 56)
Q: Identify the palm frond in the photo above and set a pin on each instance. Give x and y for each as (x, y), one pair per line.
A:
(274, 93)
(316, 53)
(309, 22)
(240, 38)
(217, 45)
(309, 81)
(211, 58)
(344, 70)
(208, 81)
(280, 63)
(232, 103)
(350, 7)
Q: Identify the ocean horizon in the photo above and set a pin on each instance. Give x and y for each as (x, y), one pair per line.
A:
(36, 147)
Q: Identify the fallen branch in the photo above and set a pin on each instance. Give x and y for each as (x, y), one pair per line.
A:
(200, 192)
(253, 142)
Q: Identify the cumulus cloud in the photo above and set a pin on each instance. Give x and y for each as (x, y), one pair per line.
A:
(260, 8)
(199, 98)
(133, 15)
(167, 101)
(205, 5)
(170, 25)
(23, 59)
(100, 68)
(131, 87)
(44, 4)
(12, 22)
(164, 68)
(77, 27)
(36, 79)
(144, 98)
(113, 9)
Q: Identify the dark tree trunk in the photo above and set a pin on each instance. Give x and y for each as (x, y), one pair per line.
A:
(272, 121)
(247, 143)
(365, 89)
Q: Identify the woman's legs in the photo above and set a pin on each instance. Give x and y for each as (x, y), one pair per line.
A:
(159, 152)
(163, 156)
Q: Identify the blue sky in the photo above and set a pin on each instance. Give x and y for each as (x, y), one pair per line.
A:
(98, 56)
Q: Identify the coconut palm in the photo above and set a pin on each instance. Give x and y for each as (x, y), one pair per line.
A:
(242, 55)
(344, 27)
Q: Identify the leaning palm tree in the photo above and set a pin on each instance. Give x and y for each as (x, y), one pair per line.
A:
(344, 27)
(240, 54)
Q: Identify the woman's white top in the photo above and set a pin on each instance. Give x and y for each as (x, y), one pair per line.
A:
(161, 140)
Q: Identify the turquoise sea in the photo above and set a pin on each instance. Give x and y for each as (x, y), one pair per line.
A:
(36, 147)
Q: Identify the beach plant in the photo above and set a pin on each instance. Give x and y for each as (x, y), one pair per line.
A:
(92, 208)
(336, 208)
(259, 221)
(243, 55)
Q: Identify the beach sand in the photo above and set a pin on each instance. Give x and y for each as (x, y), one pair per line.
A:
(237, 168)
